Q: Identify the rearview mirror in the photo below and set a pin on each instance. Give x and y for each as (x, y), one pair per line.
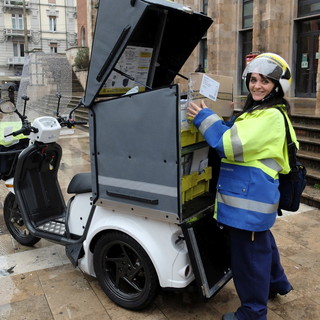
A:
(7, 106)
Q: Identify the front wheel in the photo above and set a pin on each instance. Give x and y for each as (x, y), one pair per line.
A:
(125, 271)
(15, 223)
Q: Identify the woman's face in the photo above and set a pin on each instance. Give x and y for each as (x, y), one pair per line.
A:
(260, 86)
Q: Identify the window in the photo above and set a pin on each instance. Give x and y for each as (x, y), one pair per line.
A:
(18, 49)
(83, 37)
(308, 7)
(52, 23)
(203, 47)
(204, 8)
(245, 37)
(247, 14)
(246, 42)
(17, 21)
(53, 48)
(308, 32)
(203, 56)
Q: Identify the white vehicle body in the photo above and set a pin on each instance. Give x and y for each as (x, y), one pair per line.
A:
(161, 240)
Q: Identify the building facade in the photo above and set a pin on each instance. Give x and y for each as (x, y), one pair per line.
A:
(241, 28)
(290, 28)
(49, 26)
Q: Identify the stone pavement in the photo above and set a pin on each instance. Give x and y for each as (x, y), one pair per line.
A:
(39, 283)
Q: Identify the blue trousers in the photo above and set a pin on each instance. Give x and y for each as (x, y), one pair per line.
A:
(256, 270)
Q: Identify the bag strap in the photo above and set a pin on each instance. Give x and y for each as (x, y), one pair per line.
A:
(292, 149)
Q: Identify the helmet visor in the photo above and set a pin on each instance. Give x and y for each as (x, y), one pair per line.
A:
(265, 67)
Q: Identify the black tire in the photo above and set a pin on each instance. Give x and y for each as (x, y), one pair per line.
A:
(124, 271)
(14, 222)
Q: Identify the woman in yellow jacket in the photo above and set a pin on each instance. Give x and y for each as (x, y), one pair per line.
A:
(253, 152)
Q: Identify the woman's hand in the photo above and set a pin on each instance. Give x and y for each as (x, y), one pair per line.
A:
(194, 109)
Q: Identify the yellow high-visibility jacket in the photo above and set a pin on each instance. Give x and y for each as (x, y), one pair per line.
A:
(253, 152)
(13, 127)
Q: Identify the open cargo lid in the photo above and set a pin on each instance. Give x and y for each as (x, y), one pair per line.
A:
(159, 36)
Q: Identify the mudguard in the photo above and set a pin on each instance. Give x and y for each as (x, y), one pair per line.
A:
(167, 252)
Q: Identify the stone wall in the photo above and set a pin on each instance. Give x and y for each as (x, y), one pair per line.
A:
(272, 25)
(272, 31)
(221, 39)
(71, 54)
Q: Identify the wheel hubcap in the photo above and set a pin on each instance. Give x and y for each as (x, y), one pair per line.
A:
(124, 268)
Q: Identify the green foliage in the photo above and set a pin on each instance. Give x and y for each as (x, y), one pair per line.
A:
(317, 186)
(81, 61)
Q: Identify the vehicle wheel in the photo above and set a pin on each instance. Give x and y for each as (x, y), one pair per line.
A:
(124, 271)
(14, 222)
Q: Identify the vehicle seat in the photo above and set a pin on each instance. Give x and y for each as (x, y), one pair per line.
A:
(80, 183)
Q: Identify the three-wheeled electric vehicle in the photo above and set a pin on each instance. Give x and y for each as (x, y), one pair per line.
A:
(143, 217)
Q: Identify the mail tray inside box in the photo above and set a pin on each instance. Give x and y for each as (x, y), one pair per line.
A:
(190, 136)
(195, 184)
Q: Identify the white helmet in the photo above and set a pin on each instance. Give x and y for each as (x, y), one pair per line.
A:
(272, 66)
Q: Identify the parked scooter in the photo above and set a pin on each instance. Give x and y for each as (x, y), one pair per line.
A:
(11, 211)
(8, 159)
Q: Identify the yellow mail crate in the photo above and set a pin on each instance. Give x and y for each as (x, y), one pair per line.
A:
(190, 136)
(195, 184)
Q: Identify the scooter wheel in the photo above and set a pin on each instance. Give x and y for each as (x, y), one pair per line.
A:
(14, 222)
(125, 271)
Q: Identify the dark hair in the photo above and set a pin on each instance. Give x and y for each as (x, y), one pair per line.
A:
(275, 97)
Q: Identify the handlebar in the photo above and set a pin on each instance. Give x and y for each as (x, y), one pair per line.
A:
(26, 129)
(69, 123)
(80, 122)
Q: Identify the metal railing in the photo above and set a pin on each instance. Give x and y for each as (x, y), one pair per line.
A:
(15, 4)
(17, 32)
(16, 60)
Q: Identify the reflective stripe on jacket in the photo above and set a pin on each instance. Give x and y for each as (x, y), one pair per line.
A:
(253, 152)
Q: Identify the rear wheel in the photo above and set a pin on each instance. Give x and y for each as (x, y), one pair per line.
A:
(124, 271)
(15, 223)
